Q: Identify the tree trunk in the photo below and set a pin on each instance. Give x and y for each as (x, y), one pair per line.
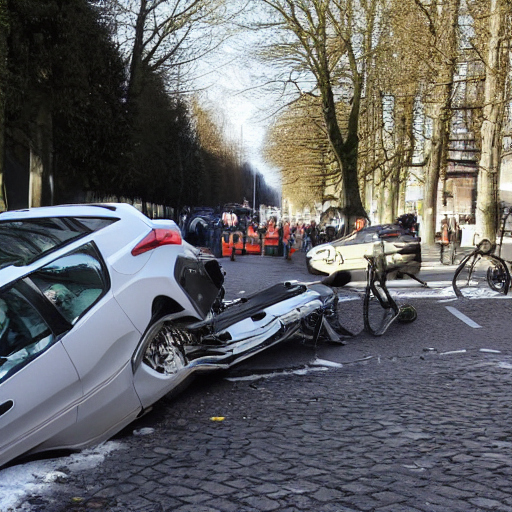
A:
(136, 71)
(446, 45)
(494, 89)
(439, 143)
(41, 159)
(346, 154)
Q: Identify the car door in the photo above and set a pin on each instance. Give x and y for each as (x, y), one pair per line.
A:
(354, 252)
(39, 386)
(100, 343)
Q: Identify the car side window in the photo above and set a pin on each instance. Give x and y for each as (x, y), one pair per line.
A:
(23, 333)
(73, 283)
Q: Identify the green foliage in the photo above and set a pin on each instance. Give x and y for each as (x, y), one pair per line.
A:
(67, 82)
(161, 162)
(62, 59)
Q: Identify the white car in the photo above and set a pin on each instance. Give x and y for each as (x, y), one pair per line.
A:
(402, 248)
(83, 350)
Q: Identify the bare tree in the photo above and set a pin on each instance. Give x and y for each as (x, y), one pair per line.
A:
(442, 21)
(328, 41)
(386, 125)
(297, 144)
(165, 36)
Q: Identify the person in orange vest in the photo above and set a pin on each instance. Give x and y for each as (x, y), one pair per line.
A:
(286, 240)
(445, 232)
(447, 245)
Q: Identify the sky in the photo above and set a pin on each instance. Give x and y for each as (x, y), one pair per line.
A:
(226, 75)
(232, 78)
(247, 115)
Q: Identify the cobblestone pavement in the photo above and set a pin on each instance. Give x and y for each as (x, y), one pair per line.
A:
(393, 427)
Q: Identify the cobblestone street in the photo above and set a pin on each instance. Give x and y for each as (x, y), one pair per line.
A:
(384, 429)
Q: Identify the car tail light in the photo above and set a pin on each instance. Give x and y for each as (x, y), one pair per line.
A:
(157, 238)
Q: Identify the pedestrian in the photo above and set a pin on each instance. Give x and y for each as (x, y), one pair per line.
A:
(447, 246)
(312, 233)
(286, 241)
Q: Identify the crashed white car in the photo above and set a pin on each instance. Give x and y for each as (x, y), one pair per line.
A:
(82, 350)
(403, 251)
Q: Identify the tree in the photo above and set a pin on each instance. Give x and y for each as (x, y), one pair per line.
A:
(396, 70)
(328, 41)
(497, 59)
(442, 51)
(164, 36)
(220, 161)
(4, 27)
(297, 144)
(64, 98)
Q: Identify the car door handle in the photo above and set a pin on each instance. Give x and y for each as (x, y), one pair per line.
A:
(6, 407)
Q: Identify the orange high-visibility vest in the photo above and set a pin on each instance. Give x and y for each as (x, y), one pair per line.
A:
(359, 224)
(444, 234)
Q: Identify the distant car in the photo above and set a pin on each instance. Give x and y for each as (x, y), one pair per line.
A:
(347, 253)
(84, 349)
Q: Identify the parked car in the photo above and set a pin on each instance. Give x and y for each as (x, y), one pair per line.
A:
(347, 253)
(82, 289)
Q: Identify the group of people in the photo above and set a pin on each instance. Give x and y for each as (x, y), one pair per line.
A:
(246, 235)
(294, 235)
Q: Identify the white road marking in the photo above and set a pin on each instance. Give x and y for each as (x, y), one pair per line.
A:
(463, 317)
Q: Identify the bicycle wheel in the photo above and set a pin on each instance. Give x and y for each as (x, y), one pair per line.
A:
(481, 275)
(498, 276)
(378, 312)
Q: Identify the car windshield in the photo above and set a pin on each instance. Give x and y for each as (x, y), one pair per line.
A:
(24, 241)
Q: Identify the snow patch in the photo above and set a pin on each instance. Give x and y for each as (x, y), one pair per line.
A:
(36, 477)
(146, 431)
(270, 375)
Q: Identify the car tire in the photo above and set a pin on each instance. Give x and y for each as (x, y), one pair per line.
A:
(163, 347)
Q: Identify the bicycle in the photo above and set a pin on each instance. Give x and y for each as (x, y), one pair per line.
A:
(482, 266)
(379, 308)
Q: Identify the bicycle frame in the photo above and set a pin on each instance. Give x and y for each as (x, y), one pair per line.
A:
(377, 272)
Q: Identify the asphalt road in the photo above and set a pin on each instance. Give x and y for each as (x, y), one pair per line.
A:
(416, 420)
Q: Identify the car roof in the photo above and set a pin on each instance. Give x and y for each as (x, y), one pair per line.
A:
(113, 211)
(380, 229)
(108, 210)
